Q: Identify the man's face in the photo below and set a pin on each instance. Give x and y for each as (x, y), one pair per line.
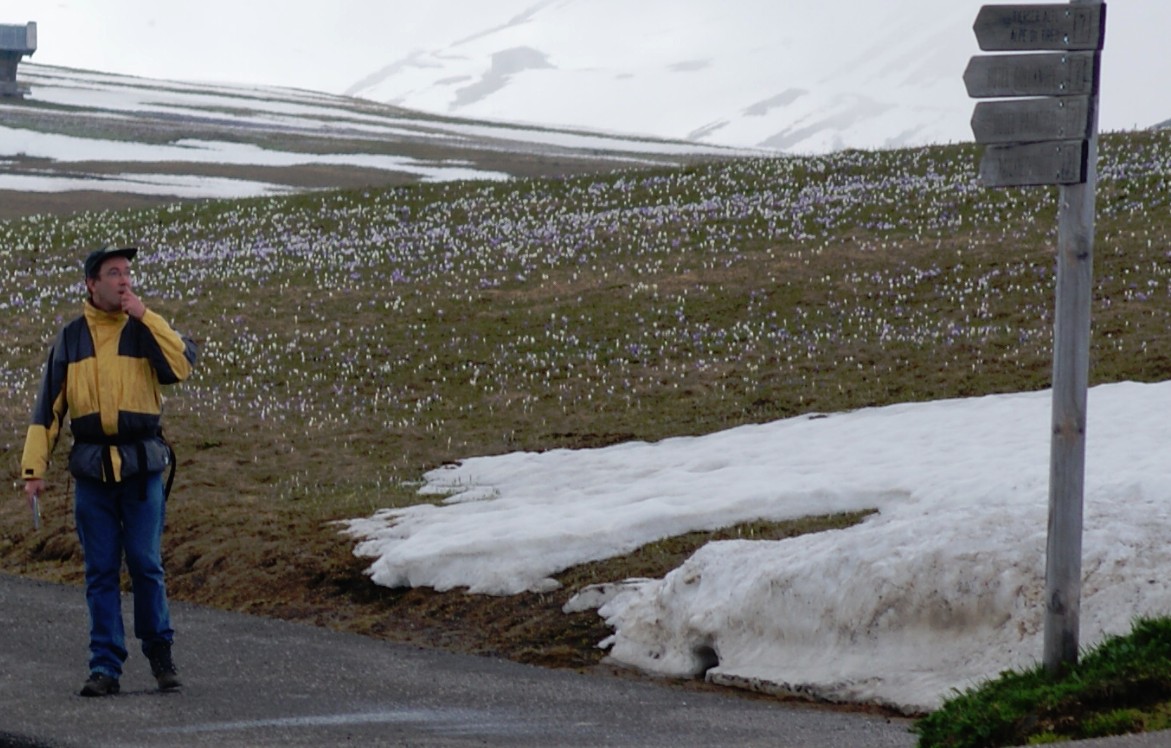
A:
(113, 281)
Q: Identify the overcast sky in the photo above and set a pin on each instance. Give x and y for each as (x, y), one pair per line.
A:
(322, 46)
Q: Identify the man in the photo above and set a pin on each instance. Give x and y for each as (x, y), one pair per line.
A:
(105, 370)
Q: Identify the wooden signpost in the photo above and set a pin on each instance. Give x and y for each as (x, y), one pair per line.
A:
(1070, 74)
(1032, 120)
(1051, 141)
(1003, 28)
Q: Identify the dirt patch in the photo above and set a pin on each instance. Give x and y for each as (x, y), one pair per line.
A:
(14, 204)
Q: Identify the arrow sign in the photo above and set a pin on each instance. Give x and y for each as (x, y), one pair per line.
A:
(1006, 28)
(1070, 74)
(1032, 120)
(1062, 162)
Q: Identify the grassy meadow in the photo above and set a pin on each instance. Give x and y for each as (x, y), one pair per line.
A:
(351, 340)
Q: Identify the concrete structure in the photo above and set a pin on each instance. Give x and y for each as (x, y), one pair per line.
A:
(15, 42)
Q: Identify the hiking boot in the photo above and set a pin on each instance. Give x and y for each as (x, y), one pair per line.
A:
(99, 684)
(163, 668)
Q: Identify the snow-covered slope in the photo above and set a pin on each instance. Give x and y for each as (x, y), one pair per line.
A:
(796, 77)
(789, 76)
(79, 131)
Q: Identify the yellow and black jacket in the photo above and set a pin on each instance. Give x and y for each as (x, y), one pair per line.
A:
(105, 370)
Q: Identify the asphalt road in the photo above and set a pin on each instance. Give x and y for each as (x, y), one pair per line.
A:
(257, 682)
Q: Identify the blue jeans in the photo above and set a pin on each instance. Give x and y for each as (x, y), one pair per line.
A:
(116, 520)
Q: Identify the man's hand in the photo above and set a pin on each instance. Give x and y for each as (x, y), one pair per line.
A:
(32, 487)
(133, 305)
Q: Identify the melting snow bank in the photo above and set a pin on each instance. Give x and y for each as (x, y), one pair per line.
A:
(898, 611)
(940, 590)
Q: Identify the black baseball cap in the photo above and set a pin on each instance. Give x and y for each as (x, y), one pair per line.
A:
(98, 256)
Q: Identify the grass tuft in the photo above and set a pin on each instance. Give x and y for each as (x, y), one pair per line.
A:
(1123, 685)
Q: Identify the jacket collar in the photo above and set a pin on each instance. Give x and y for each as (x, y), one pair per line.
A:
(98, 317)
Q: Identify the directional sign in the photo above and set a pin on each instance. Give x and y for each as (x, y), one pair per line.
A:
(1060, 162)
(1032, 120)
(1069, 74)
(1006, 28)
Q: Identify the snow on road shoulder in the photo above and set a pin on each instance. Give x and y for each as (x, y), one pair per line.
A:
(941, 589)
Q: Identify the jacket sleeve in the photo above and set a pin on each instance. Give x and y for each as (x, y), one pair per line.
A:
(171, 354)
(48, 415)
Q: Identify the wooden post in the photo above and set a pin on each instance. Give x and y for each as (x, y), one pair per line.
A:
(1045, 142)
(1071, 365)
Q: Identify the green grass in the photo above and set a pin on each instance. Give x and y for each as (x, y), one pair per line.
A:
(1122, 685)
(352, 340)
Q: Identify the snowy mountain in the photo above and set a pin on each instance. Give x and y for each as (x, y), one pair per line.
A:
(749, 74)
(95, 135)
(491, 90)
(799, 78)
(789, 76)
